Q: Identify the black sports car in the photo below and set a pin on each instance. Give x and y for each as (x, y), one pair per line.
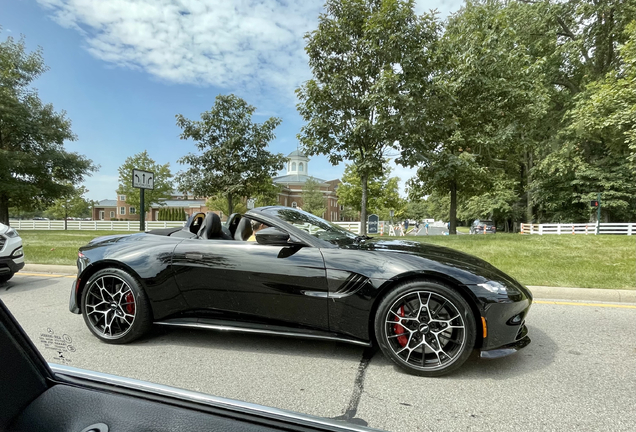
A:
(279, 270)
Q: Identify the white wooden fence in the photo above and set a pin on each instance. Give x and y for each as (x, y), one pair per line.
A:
(587, 229)
(91, 225)
(121, 225)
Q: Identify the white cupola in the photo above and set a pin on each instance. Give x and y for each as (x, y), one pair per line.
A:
(297, 163)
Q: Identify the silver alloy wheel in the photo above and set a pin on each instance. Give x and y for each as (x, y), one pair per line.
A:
(425, 330)
(110, 307)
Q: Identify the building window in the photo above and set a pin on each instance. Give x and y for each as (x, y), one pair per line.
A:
(285, 201)
(300, 167)
(293, 166)
(294, 205)
(341, 207)
(122, 197)
(101, 215)
(122, 210)
(132, 210)
(341, 218)
(112, 215)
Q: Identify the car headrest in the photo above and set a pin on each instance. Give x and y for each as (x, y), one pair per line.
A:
(243, 230)
(211, 227)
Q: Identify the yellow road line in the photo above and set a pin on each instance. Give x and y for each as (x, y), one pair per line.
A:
(44, 275)
(585, 304)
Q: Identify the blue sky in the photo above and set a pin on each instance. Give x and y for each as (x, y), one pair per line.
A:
(122, 70)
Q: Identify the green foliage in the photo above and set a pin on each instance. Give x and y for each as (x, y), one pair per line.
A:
(234, 161)
(172, 214)
(71, 205)
(220, 203)
(368, 68)
(313, 199)
(35, 169)
(383, 193)
(163, 186)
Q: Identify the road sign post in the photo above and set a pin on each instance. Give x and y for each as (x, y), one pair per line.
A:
(142, 180)
(598, 214)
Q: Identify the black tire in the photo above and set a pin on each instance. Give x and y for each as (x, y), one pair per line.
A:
(425, 327)
(6, 277)
(119, 289)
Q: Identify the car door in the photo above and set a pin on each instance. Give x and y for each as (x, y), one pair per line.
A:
(263, 282)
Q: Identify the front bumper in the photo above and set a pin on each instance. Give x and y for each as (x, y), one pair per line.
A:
(11, 265)
(504, 316)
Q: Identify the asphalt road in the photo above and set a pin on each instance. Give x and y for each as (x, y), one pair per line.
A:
(579, 372)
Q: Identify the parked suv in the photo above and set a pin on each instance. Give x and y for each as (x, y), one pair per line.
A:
(11, 253)
(478, 227)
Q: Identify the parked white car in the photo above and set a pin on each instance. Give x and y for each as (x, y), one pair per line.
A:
(11, 253)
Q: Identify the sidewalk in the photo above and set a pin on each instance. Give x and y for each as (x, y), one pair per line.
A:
(539, 292)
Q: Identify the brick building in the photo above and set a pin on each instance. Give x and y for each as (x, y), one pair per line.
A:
(294, 180)
(297, 173)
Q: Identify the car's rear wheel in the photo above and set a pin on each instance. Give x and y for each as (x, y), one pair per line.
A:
(425, 327)
(115, 307)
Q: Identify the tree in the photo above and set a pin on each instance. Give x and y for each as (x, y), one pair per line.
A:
(162, 182)
(383, 193)
(234, 161)
(35, 169)
(488, 94)
(221, 203)
(71, 205)
(313, 199)
(369, 66)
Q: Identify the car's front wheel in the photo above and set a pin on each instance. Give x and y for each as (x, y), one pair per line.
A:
(425, 327)
(115, 307)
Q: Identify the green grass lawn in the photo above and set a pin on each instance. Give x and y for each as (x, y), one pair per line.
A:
(552, 260)
(57, 247)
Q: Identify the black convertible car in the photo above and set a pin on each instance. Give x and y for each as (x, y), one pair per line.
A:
(279, 270)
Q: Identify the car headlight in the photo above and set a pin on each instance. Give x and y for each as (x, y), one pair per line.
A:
(11, 233)
(17, 253)
(498, 288)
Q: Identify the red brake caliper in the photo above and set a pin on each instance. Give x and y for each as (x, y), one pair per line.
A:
(398, 329)
(130, 307)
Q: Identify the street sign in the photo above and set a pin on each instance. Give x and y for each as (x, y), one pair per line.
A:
(143, 179)
(372, 224)
(391, 213)
(250, 203)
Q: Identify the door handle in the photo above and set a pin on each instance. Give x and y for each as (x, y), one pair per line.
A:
(193, 256)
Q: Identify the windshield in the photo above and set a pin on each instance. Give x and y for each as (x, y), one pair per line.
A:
(313, 225)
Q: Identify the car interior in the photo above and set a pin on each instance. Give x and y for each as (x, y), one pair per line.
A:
(37, 396)
(208, 226)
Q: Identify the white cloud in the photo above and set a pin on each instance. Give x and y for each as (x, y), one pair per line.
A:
(246, 44)
(249, 45)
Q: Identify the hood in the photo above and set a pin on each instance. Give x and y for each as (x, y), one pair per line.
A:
(438, 254)
(425, 250)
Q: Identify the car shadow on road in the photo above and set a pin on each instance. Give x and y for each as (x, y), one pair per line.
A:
(21, 283)
(241, 342)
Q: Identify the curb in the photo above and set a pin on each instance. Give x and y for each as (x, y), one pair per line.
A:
(48, 268)
(539, 292)
(587, 294)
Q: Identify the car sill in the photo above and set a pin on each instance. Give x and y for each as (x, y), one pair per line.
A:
(227, 326)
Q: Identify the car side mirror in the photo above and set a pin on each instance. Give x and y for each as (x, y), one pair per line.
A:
(275, 237)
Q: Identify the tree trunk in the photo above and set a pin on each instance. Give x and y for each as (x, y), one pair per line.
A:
(364, 180)
(4, 210)
(528, 193)
(453, 208)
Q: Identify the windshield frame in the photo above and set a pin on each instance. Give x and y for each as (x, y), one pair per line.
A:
(269, 215)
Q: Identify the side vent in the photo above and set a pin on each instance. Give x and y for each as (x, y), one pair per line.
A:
(351, 285)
